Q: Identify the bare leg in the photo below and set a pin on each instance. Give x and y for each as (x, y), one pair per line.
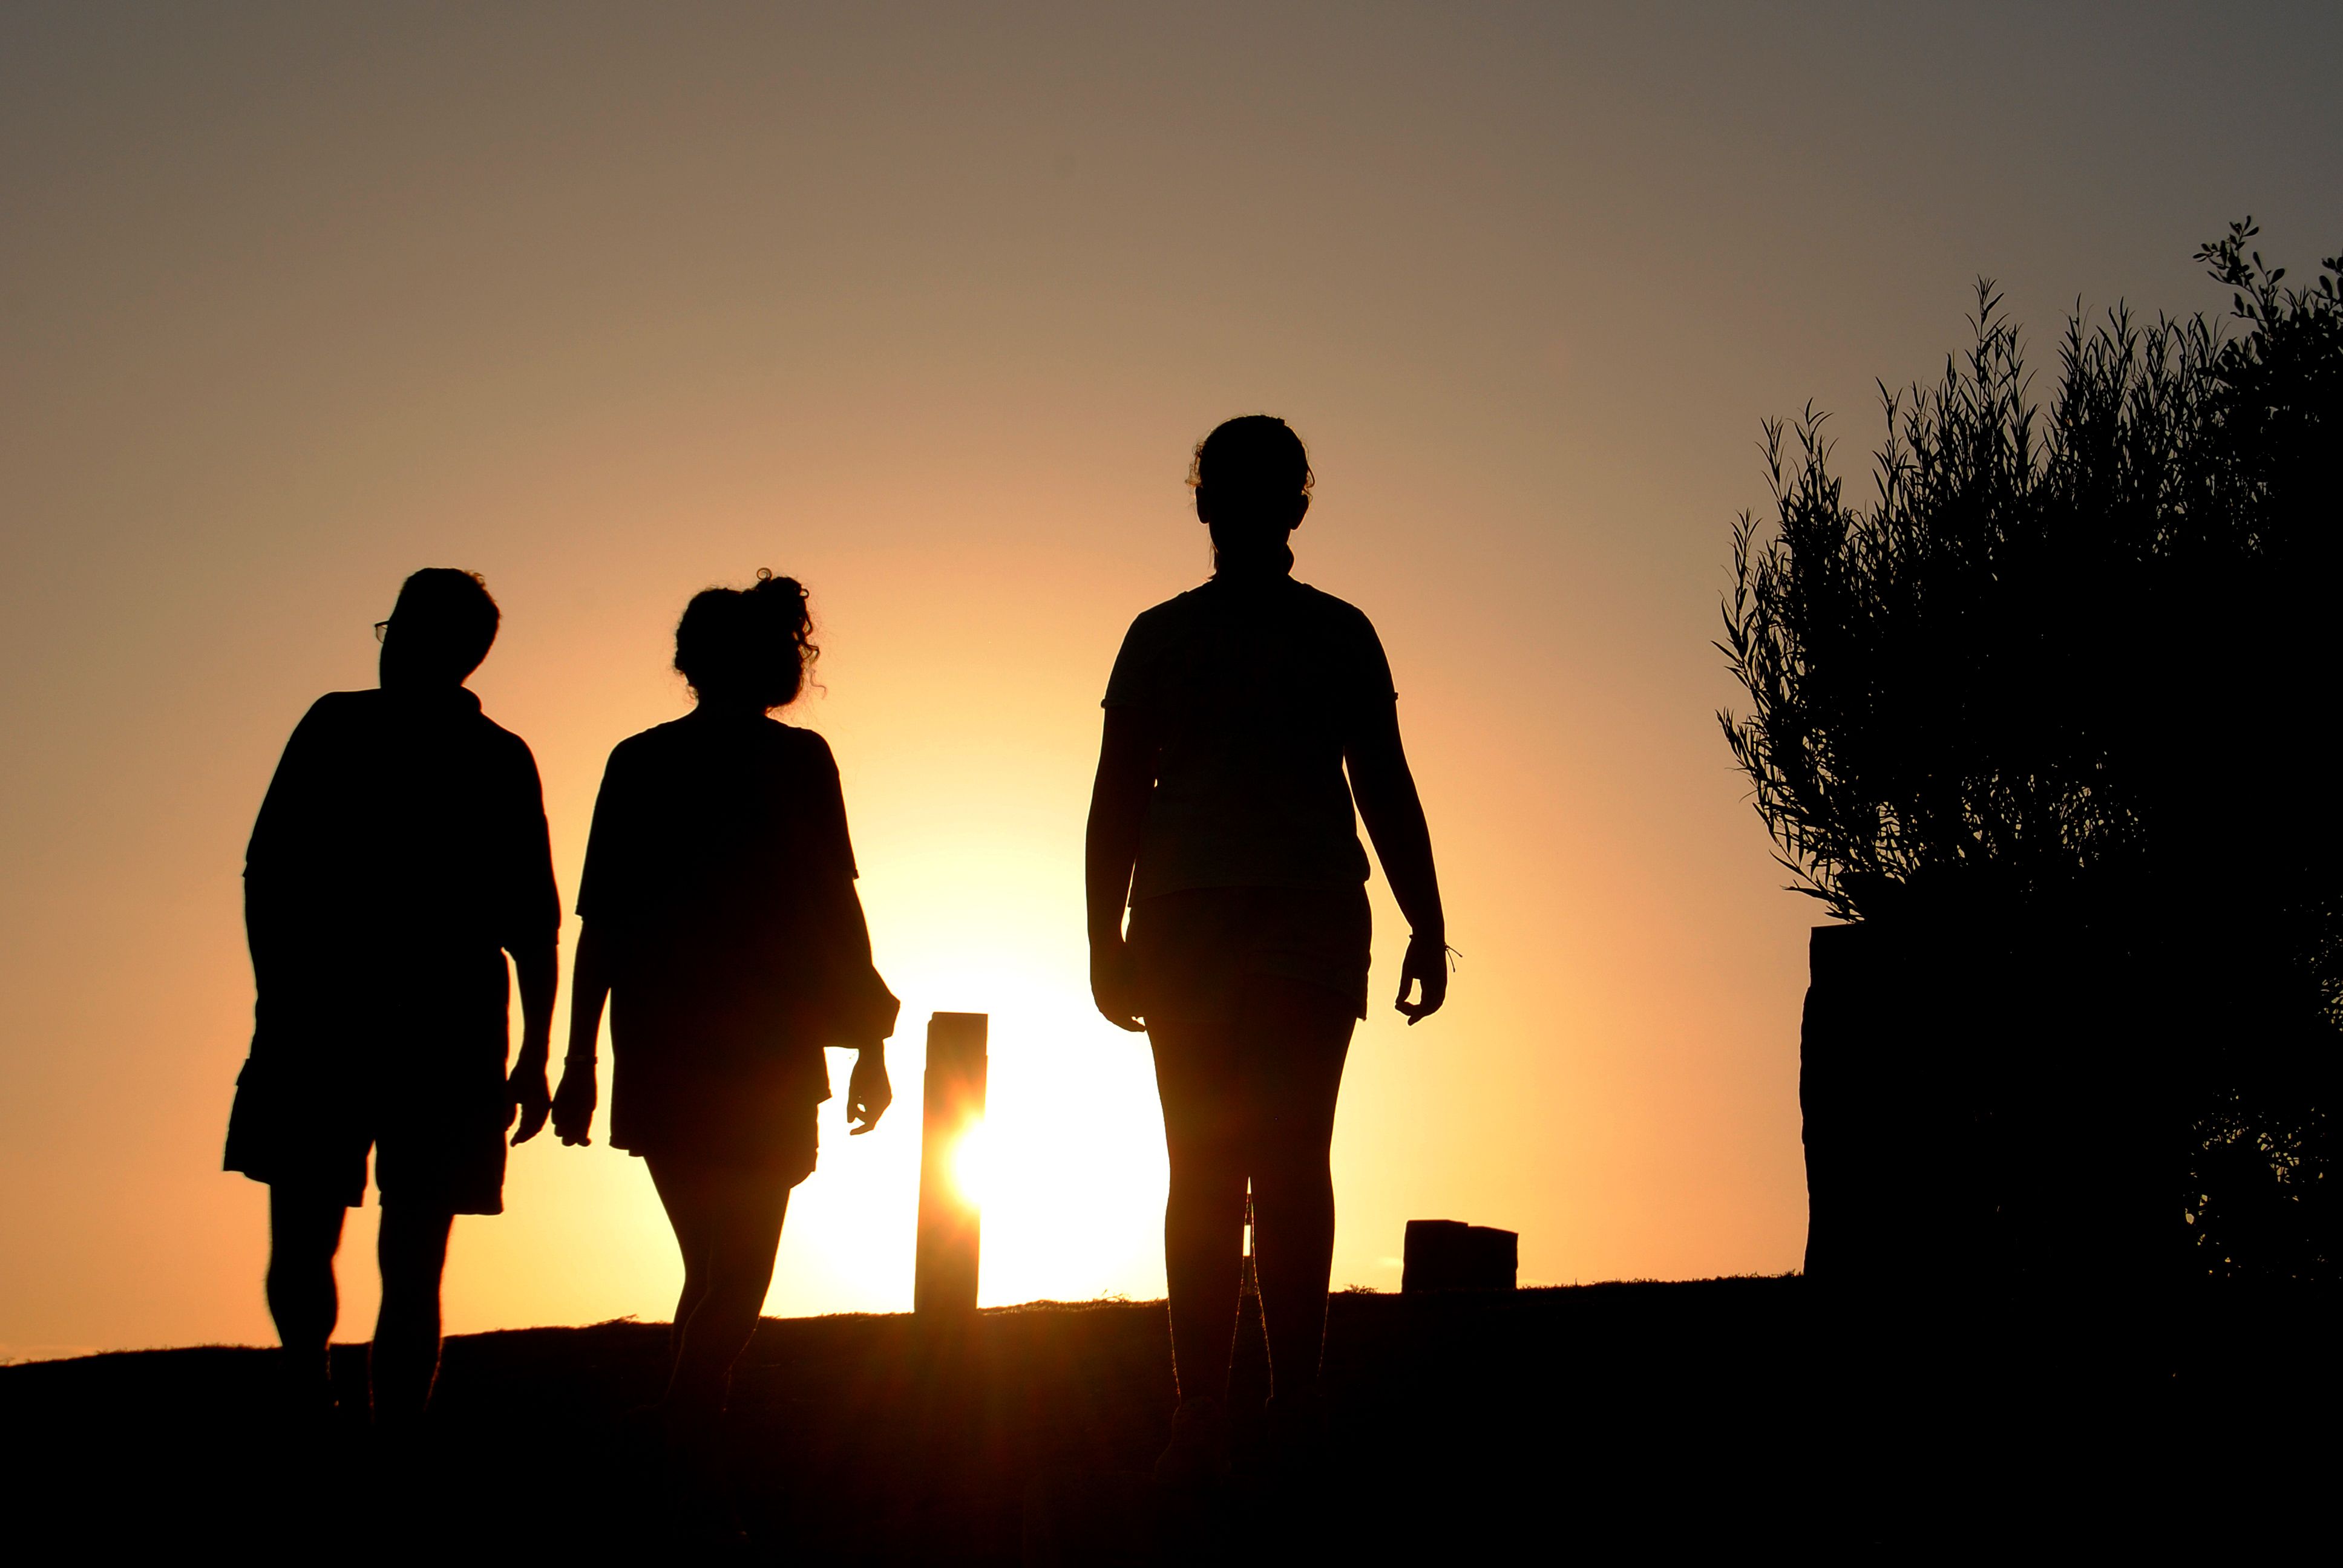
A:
(1296, 1037)
(412, 1249)
(737, 1215)
(692, 1224)
(305, 1232)
(1203, 1210)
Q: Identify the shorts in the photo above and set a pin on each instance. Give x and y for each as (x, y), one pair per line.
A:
(714, 1102)
(783, 1151)
(437, 1139)
(1191, 949)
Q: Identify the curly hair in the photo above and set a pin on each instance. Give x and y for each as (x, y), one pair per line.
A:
(753, 644)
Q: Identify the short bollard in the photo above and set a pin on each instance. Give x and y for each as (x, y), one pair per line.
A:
(1450, 1255)
(952, 1225)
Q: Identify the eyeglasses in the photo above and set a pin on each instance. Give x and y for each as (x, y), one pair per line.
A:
(381, 630)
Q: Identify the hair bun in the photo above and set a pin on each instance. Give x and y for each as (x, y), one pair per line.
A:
(768, 583)
(754, 642)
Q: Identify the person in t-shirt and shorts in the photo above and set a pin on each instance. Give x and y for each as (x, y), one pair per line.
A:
(400, 855)
(724, 932)
(1223, 815)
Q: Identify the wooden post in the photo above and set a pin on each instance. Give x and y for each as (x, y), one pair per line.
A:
(951, 1226)
(1450, 1255)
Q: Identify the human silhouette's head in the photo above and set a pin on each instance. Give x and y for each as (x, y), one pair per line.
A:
(747, 647)
(441, 627)
(1252, 479)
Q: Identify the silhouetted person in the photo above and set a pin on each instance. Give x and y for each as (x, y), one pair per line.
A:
(1222, 811)
(399, 855)
(722, 925)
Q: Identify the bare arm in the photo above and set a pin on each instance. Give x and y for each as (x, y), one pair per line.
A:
(539, 970)
(589, 989)
(1385, 791)
(280, 912)
(1126, 773)
(868, 1093)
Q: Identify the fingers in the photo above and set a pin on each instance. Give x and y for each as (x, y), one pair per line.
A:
(868, 1094)
(533, 1114)
(1427, 975)
(1122, 1017)
(527, 1105)
(1113, 994)
(573, 1111)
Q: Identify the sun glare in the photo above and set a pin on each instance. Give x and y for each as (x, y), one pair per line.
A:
(1066, 1163)
(972, 1165)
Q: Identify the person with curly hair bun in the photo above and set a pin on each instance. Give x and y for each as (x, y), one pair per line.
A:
(722, 927)
(1223, 816)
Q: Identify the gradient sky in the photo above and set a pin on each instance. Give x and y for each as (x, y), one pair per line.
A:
(926, 305)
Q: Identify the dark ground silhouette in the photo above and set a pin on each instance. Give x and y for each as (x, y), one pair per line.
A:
(1724, 1416)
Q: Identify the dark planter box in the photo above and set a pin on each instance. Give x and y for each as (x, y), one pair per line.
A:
(1985, 1109)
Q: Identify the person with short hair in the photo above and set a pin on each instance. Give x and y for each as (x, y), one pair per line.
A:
(722, 927)
(1222, 817)
(399, 857)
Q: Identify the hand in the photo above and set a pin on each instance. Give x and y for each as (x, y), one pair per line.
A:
(1110, 983)
(868, 1092)
(574, 1102)
(1426, 965)
(526, 1100)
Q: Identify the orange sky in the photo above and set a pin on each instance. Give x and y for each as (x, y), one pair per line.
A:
(925, 309)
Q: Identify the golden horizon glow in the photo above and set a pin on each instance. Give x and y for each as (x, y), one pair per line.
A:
(609, 306)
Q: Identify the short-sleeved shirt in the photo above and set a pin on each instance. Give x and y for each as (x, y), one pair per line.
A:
(400, 852)
(720, 875)
(1253, 690)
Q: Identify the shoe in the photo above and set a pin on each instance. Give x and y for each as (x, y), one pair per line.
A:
(642, 1434)
(1197, 1457)
(303, 1390)
(696, 1474)
(1296, 1432)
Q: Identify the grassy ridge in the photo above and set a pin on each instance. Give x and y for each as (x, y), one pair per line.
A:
(1717, 1414)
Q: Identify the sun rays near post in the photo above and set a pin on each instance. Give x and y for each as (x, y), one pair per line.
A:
(951, 1215)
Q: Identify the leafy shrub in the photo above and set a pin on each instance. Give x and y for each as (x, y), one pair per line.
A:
(2069, 670)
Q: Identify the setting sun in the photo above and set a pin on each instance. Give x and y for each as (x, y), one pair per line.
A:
(972, 1166)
